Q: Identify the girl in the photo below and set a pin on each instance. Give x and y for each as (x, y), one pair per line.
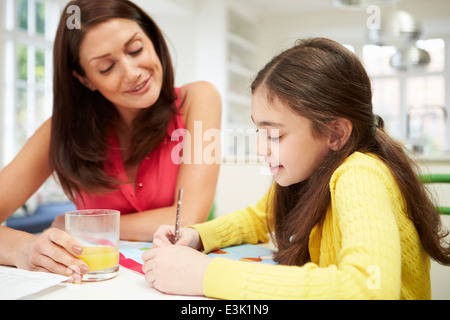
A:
(349, 215)
(109, 140)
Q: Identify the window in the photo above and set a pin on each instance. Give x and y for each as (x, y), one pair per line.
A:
(413, 102)
(386, 101)
(28, 31)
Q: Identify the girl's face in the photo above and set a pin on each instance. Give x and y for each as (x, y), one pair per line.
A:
(286, 141)
(121, 63)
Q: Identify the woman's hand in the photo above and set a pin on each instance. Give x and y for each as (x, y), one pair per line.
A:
(59, 222)
(175, 269)
(52, 251)
(166, 235)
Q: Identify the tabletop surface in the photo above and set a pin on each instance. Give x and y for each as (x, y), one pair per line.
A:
(127, 285)
(130, 284)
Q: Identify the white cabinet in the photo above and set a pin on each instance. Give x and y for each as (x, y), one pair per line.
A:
(241, 55)
(226, 52)
(241, 31)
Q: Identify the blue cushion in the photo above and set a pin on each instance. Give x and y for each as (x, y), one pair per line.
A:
(41, 219)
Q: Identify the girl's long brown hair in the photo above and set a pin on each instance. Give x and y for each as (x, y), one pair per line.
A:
(82, 119)
(321, 80)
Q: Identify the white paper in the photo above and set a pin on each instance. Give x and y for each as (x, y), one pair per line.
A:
(16, 283)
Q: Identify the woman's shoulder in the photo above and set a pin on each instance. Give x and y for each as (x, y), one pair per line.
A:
(199, 90)
(45, 129)
(198, 87)
(200, 98)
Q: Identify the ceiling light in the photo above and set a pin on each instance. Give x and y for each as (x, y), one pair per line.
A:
(398, 29)
(408, 58)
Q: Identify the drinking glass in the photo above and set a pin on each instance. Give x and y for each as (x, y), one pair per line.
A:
(97, 230)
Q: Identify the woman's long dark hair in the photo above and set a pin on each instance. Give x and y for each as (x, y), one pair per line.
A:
(82, 119)
(321, 80)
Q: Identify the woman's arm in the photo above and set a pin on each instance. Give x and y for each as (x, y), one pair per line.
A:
(26, 173)
(201, 105)
(53, 250)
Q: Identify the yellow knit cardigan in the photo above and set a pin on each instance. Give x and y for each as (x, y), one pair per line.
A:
(365, 248)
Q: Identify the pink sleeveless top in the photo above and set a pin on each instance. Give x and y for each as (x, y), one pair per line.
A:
(156, 178)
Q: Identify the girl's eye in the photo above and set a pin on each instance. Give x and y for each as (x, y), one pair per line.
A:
(274, 139)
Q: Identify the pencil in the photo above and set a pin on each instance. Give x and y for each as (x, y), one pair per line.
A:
(177, 220)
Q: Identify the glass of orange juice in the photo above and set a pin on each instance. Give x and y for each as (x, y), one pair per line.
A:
(97, 230)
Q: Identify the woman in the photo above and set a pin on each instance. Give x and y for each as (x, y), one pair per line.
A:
(109, 140)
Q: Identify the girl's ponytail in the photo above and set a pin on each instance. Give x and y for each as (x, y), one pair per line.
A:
(422, 211)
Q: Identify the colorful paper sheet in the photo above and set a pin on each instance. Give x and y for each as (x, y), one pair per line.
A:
(245, 252)
(131, 254)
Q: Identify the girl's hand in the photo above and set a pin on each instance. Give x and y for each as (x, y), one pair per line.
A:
(175, 269)
(52, 251)
(165, 235)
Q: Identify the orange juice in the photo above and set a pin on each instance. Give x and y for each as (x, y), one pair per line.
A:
(100, 258)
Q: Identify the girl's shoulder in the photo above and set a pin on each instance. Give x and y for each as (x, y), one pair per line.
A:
(365, 174)
(366, 164)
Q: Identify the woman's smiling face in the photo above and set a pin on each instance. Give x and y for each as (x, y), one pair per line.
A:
(120, 62)
(286, 140)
